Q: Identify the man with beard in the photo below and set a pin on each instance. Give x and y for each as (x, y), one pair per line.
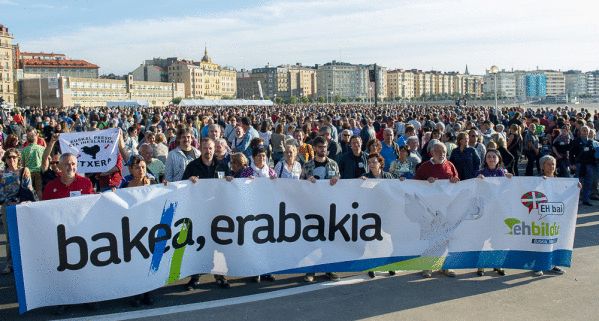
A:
(319, 168)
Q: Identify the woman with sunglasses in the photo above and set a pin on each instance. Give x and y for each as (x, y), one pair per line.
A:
(15, 188)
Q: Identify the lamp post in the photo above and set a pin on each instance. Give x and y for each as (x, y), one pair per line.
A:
(494, 71)
(40, 88)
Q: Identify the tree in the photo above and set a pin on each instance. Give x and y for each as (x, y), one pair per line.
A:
(321, 99)
(279, 100)
(337, 98)
(306, 100)
(176, 100)
(293, 100)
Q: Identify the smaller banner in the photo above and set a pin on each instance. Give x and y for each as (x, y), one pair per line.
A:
(96, 151)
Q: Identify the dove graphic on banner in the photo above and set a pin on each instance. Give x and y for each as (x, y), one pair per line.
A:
(96, 151)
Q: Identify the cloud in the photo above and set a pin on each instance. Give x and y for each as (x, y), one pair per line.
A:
(425, 34)
(8, 3)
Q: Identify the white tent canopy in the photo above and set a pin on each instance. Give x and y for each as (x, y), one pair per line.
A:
(127, 103)
(224, 102)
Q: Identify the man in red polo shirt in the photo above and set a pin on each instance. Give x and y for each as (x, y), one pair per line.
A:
(69, 183)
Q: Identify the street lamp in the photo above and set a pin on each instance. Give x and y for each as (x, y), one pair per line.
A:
(494, 71)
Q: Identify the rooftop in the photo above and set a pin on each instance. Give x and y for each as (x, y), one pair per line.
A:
(65, 63)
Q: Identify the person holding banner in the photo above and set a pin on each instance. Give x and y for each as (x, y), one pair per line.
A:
(438, 167)
(492, 167)
(548, 165)
(321, 168)
(376, 163)
(139, 177)
(180, 157)
(15, 181)
(206, 167)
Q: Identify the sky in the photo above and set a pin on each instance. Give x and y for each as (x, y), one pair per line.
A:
(443, 35)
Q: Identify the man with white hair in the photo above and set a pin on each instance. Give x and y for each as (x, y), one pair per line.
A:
(438, 167)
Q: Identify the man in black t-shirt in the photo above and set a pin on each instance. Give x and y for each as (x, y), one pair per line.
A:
(205, 167)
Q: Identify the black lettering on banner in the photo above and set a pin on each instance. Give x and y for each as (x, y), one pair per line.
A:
(268, 228)
(241, 228)
(337, 227)
(376, 227)
(153, 237)
(63, 244)
(215, 229)
(283, 217)
(319, 228)
(129, 244)
(111, 248)
(189, 237)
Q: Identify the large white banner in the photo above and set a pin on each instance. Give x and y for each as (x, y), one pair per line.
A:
(96, 151)
(118, 244)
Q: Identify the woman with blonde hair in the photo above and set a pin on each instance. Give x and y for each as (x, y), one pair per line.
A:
(289, 167)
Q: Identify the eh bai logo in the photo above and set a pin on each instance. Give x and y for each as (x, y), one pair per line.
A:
(538, 202)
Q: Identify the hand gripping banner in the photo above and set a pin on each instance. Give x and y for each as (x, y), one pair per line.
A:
(118, 244)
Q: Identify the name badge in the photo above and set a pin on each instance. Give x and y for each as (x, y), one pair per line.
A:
(562, 143)
(361, 165)
(74, 193)
(586, 149)
(331, 174)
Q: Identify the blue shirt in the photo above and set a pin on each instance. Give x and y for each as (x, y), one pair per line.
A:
(388, 153)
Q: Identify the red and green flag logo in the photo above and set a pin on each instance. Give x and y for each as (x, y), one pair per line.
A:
(532, 200)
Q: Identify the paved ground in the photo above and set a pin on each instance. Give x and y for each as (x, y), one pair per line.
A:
(516, 296)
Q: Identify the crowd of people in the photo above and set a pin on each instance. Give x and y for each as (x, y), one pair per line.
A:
(302, 142)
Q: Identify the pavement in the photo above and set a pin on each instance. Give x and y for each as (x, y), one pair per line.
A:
(517, 296)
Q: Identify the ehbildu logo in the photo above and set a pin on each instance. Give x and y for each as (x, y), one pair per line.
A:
(522, 228)
(538, 202)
